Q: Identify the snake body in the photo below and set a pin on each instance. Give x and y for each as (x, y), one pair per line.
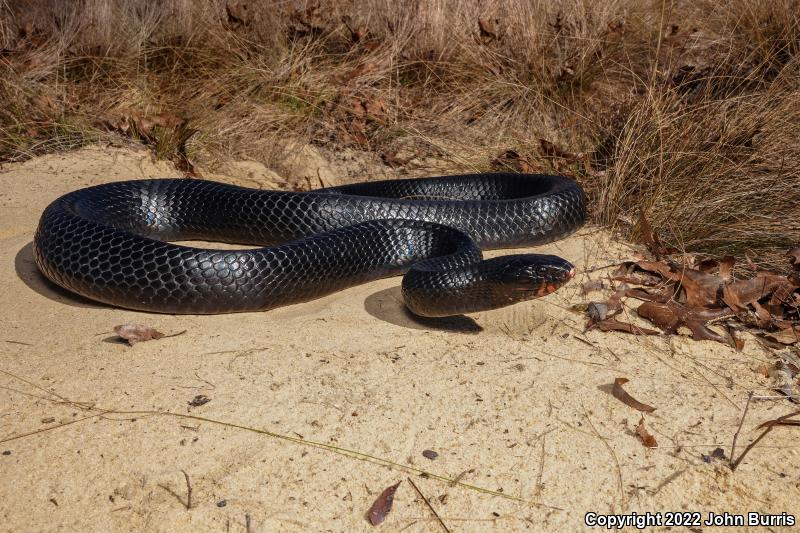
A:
(111, 242)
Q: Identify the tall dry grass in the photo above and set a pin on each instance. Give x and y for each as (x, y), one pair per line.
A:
(684, 110)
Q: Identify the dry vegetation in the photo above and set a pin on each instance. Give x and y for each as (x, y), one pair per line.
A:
(686, 111)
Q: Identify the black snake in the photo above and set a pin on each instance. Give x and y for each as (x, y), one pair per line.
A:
(110, 242)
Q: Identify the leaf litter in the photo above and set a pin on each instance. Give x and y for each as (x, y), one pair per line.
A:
(382, 505)
(698, 294)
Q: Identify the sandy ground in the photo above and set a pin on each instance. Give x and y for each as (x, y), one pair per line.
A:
(514, 401)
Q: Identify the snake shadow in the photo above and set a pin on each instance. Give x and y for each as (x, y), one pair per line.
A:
(387, 305)
(27, 271)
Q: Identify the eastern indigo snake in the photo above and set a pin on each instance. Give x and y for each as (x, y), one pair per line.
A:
(110, 242)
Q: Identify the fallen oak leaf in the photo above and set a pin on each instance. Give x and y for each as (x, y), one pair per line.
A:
(627, 269)
(744, 292)
(612, 324)
(648, 296)
(662, 315)
(134, 333)
(786, 336)
(647, 439)
(701, 332)
(701, 289)
(620, 394)
(382, 505)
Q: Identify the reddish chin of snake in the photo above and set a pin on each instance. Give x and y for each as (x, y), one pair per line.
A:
(549, 288)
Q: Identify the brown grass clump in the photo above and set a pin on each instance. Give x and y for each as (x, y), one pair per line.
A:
(683, 110)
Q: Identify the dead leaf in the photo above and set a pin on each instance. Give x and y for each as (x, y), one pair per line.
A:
(701, 332)
(513, 160)
(717, 453)
(614, 301)
(738, 342)
(702, 290)
(647, 439)
(650, 237)
(787, 336)
(597, 311)
(593, 285)
(134, 333)
(662, 315)
(726, 267)
(648, 296)
(381, 507)
(794, 257)
(745, 292)
(621, 395)
(612, 324)
(550, 149)
(487, 29)
(200, 399)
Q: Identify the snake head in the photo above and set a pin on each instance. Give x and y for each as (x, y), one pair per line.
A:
(532, 275)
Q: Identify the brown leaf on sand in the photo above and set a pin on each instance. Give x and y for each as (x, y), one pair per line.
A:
(134, 333)
(794, 257)
(381, 507)
(647, 439)
(739, 294)
(621, 395)
(648, 296)
(612, 324)
(702, 290)
(662, 315)
(786, 336)
(701, 332)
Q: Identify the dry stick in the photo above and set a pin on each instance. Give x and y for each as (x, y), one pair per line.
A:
(314, 444)
(188, 491)
(429, 505)
(736, 435)
(613, 456)
(763, 434)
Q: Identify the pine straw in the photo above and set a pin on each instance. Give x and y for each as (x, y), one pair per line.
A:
(683, 110)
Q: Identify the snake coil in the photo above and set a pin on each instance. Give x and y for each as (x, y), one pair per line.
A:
(111, 242)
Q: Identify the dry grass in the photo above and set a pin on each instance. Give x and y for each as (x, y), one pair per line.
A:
(686, 110)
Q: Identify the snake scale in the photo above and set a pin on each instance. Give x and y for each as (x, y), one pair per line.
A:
(113, 243)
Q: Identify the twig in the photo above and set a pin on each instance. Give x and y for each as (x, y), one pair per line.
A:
(429, 505)
(247, 527)
(767, 428)
(736, 435)
(735, 464)
(18, 342)
(613, 456)
(188, 491)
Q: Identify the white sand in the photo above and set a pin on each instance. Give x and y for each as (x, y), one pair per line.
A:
(521, 406)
